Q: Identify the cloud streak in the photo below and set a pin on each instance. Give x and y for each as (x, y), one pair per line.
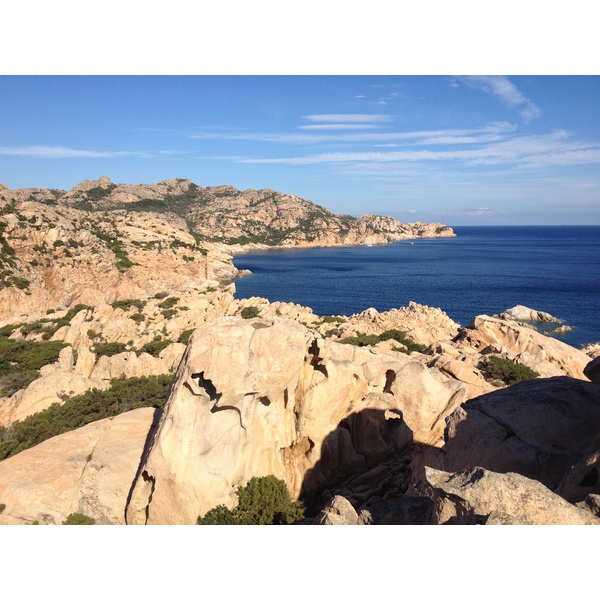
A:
(57, 152)
(523, 152)
(508, 93)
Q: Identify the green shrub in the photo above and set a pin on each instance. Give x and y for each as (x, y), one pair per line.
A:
(20, 361)
(495, 368)
(155, 347)
(333, 320)
(250, 312)
(262, 501)
(168, 313)
(169, 302)
(184, 338)
(78, 519)
(137, 317)
(362, 339)
(123, 395)
(125, 305)
(109, 348)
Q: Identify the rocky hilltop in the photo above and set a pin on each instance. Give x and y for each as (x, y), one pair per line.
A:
(104, 242)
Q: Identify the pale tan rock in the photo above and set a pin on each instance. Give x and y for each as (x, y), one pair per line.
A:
(473, 495)
(43, 392)
(86, 360)
(489, 335)
(425, 400)
(257, 397)
(88, 470)
(523, 313)
(128, 364)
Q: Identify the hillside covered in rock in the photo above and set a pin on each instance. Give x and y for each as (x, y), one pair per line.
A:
(102, 241)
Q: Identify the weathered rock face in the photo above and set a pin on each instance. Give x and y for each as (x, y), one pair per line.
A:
(89, 470)
(538, 428)
(477, 496)
(547, 356)
(266, 396)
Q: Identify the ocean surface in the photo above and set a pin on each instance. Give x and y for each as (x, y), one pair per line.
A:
(483, 270)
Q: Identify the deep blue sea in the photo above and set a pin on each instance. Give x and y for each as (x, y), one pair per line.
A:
(483, 270)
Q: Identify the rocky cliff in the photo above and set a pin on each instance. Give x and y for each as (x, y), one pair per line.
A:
(105, 242)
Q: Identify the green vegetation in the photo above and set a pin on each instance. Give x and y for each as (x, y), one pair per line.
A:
(78, 519)
(156, 346)
(137, 317)
(263, 501)
(499, 371)
(250, 312)
(169, 302)
(363, 339)
(109, 348)
(184, 338)
(125, 305)
(20, 361)
(116, 246)
(124, 395)
(168, 313)
(48, 327)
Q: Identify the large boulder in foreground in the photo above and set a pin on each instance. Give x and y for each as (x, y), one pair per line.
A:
(89, 470)
(539, 428)
(257, 397)
(477, 496)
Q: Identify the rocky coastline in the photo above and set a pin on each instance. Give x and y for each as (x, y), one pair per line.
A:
(136, 389)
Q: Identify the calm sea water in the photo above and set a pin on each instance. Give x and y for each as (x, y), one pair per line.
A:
(484, 270)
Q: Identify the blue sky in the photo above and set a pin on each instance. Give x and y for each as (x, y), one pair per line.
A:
(481, 150)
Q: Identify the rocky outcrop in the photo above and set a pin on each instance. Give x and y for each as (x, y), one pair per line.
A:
(539, 428)
(89, 470)
(267, 396)
(477, 496)
(547, 356)
(523, 313)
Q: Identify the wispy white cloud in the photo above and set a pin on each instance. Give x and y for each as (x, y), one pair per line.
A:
(61, 152)
(522, 151)
(339, 126)
(504, 89)
(489, 132)
(348, 118)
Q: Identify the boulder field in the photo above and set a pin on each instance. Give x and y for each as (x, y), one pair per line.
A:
(362, 435)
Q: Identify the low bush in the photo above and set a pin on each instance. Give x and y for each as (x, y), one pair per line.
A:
(123, 395)
(184, 338)
(20, 361)
(109, 348)
(262, 501)
(155, 347)
(362, 339)
(250, 312)
(78, 519)
(505, 371)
